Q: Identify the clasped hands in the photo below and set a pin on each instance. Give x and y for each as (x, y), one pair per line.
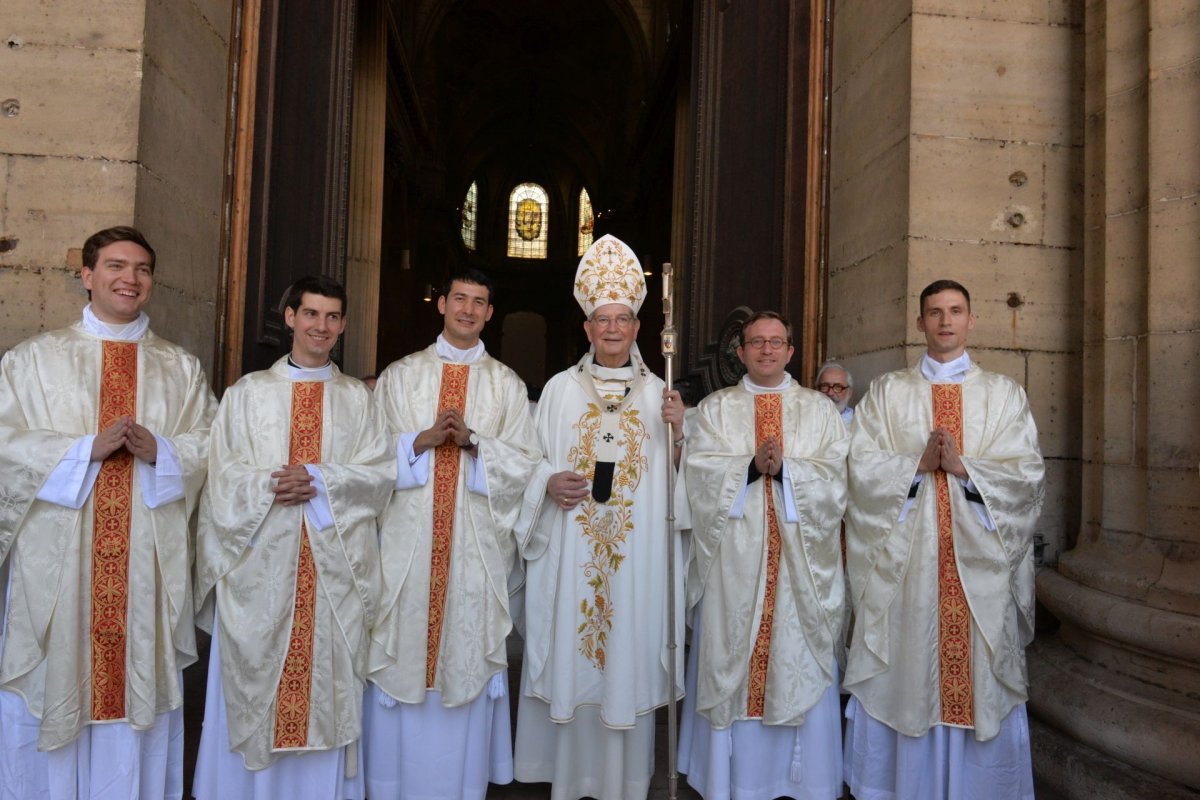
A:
(567, 489)
(768, 457)
(449, 426)
(128, 434)
(941, 452)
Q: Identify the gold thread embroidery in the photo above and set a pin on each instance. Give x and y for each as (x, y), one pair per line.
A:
(446, 460)
(954, 615)
(293, 699)
(768, 423)
(605, 525)
(112, 514)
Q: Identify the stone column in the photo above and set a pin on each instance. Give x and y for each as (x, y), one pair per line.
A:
(111, 114)
(1116, 691)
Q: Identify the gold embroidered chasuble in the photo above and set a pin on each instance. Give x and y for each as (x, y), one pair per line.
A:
(595, 592)
(272, 607)
(902, 572)
(447, 551)
(100, 617)
(754, 663)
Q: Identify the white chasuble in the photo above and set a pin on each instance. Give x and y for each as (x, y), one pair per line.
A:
(99, 621)
(944, 600)
(447, 550)
(771, 586)
(596, 574)
(295, 601)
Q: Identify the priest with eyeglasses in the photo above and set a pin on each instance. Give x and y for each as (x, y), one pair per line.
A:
(767, 487)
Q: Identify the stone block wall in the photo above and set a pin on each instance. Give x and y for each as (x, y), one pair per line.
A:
(957, 137)
(113, 113)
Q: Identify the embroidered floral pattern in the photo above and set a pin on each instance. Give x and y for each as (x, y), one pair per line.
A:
(605, 525)
(112, 510)
(446, 460)
(954, 615)
(768, 423)
(295, 683)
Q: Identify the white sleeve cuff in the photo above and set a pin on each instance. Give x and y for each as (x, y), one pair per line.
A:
(71, 480)
(317, 510)
(477, 473)
(738, 509)
(161, 482)
(790, 515)
(908, 501)
(411, 470)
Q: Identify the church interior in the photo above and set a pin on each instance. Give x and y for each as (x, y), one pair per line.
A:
(824, 158)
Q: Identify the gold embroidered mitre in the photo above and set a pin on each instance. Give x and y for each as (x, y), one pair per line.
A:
(609, 272)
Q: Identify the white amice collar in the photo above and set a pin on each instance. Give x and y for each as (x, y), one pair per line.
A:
(299, 373)
(753, 388)
(448, 352)
(951, 372)
(129, 332)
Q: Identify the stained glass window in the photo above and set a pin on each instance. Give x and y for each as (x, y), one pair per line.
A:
(528, 221)
(469, 206)
(587, 222)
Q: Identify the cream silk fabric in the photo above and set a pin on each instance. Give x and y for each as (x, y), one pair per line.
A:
(729, 556)
(893, 567)
(476, 620)
(247, 549)
(48, 399)
(635, 678)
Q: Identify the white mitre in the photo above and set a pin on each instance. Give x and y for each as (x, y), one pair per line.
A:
(609, 272)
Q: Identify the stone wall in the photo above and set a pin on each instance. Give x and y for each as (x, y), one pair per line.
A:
(957, 153)
(116, 117)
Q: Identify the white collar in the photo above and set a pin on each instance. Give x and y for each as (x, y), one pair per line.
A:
(753, 388)
(129, 332)
(448, 352)
(951, 372)
(299, 373)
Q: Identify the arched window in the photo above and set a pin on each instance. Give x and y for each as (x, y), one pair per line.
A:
(587, 222)
(528, 221)
(469, 209)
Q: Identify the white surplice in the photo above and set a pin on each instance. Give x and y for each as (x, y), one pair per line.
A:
(49, 402)
(728, 577)
(892, 555)
(596, 663)
(247, 551)
(453, 738)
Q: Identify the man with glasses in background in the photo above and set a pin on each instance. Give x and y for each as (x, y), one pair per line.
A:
(835, 382)
(767, 487)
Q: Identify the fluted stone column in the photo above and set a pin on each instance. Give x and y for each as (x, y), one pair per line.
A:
(1116, 690)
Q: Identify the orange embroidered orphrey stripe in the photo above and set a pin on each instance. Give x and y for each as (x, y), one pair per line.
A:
(954, 615)
(293, 698)
(768, 423)
(445, 493)
(112, 510)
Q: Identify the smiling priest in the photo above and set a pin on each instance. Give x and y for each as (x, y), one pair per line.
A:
(287, 548)
(103, 449)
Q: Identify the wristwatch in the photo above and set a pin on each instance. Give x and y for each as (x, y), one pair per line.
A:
(472, 440)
